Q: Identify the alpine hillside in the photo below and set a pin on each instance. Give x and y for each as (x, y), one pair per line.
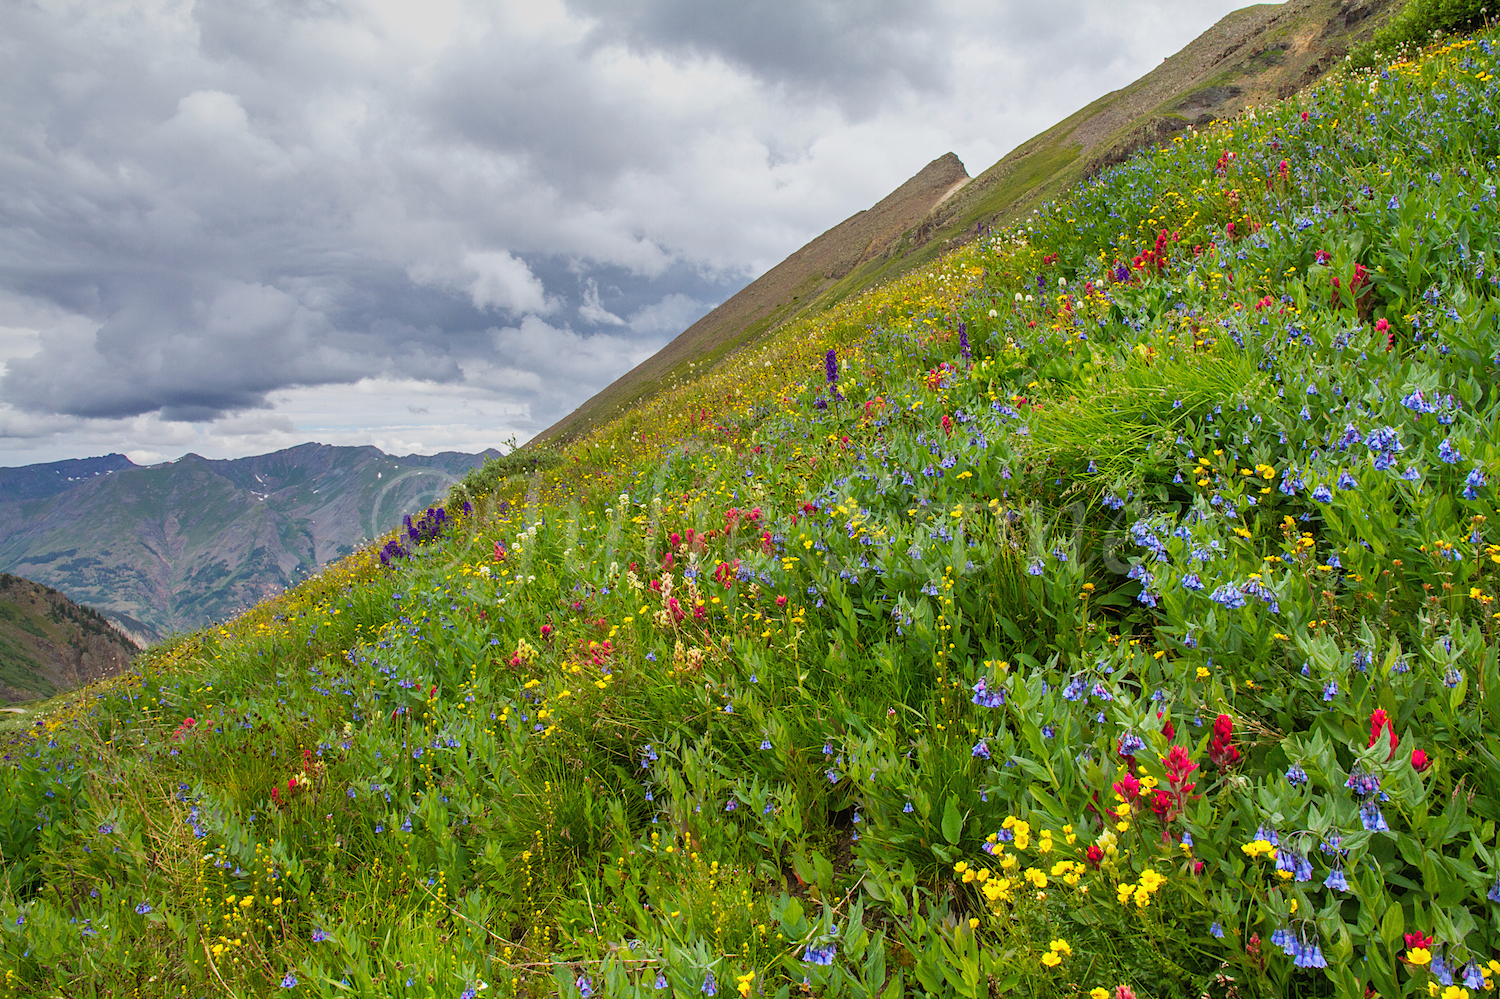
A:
(1250, 57)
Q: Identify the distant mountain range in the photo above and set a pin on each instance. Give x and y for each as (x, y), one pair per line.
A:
(1251, 57)
(171, 547)
(49, 644)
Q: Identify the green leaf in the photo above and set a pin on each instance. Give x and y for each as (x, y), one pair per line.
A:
(1393, 926)
(953, 821)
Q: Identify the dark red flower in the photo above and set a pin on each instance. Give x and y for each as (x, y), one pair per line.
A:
(1095, 855)
(1418, 940)
(1221, 748)
(1420, 760)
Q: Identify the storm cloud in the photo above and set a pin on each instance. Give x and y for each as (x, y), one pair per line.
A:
(234, 225)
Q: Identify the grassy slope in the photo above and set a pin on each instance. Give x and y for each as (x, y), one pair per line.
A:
(48, 643)
(1047, 668)
(1250, 57)
(772, 299)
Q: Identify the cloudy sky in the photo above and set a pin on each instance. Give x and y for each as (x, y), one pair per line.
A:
(231, 226)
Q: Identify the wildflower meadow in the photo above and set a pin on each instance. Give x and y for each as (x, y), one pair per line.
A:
(1107, 610)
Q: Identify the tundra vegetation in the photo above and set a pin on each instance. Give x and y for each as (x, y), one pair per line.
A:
(1107, 609)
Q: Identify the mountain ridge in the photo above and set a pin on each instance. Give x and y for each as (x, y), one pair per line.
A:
(49, 643)
(172, 546)
(1250, 56)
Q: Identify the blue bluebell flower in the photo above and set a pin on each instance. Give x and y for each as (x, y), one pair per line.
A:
(1336, 881)
(1228, 595)
(981, 749)
(1255, 588)
(1439, 968)
(1310, 956)
(1362, 782)
(1322, 493)
(710, 987)
(819, 954)
(987, 697)
(1295, 775)
(1475, 480)
(1415, 402)
(1371, 819)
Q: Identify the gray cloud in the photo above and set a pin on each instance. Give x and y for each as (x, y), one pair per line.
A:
(228, 223)
(861, 52)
